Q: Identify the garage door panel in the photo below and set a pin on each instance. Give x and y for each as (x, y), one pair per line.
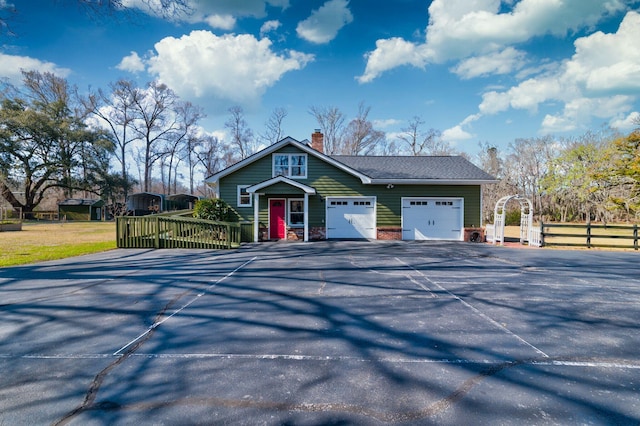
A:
(351, 217)
(432, 219)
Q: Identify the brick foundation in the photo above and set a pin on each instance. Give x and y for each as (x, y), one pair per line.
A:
(317, 233)
(295, 234)
(320, 233)
(263, 234)
(389, 233)
(477, 234)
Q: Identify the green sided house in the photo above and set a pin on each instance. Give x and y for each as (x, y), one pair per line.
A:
(292, 190)
(81, 209)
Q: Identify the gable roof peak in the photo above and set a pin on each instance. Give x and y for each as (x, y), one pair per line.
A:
(305, 147)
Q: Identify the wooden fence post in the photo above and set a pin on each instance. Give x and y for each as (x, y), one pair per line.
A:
(589, 234)
(635, 236)
(118, 232)
(156, 244)
(541, 234)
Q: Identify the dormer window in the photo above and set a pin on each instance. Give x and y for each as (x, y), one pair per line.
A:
(290, 165)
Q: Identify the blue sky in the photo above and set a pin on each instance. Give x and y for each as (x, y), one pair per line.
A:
(476, 70)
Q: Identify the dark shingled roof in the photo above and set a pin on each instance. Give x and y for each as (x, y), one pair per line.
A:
(78, 202)
(421, 167)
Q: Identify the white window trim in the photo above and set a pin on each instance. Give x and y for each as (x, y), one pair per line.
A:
(289, 200)
(289, 165)
(239, 193)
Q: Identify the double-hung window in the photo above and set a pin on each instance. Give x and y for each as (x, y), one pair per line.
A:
(296, 212)
(290, 165)
(244, 198)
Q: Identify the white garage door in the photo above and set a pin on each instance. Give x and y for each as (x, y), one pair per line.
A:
(351, 217)
(432, 219)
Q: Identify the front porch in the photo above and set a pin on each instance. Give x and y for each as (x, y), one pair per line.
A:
(284, 203)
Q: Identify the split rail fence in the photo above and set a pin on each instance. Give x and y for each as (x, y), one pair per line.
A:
(157, 231)
(589, 235)
(574, 235)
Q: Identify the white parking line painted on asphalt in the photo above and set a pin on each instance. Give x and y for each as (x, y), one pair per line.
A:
(545, 362)
(476, 310)
(394, 274)
(177, 311)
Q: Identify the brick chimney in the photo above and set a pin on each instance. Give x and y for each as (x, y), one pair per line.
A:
(317, 141)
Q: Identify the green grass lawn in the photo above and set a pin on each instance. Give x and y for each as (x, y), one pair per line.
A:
(38, 242)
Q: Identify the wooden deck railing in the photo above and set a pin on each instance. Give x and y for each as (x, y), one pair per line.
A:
(175, 232)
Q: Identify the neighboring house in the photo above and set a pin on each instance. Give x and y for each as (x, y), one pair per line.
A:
(291, 190)
(181, 201)
(144, 203)
(81, 209)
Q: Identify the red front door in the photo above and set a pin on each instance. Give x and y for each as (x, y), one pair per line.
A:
(277, 229)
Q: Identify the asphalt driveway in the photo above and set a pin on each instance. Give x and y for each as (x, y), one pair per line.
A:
(346, 332)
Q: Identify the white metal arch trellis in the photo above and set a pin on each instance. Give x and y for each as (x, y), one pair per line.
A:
(526, 218)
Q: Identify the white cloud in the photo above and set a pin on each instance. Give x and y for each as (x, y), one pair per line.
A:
(545, 67)
(132, 63)
(629, 122)
(385, 123)
(223, 22)
(200, 10)
(389, 54)
(471, 118)
(578, 112)
(601, 80)
(557, 124)
(11, 67)
(234, 67)
(609, 62)
(460, 29)
(324, 23)
(503, 62)
(455, 134)
(531, 93)
(269, 26)
(494, 102)
(528, 95)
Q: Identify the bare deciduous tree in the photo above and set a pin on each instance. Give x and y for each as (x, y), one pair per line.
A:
(114, 112)
(213, 156)
(360, 138)
(331, 121)
(273, 126)
(422, 142)
(241, 135)
(527, 165)
(491, 161)
(178, 143)
(209, 155)
(7, 11)
(99, 9)
(166, 9)
(155, 121)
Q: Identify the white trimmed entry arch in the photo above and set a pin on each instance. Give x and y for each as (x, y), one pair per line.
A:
(526, 219)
